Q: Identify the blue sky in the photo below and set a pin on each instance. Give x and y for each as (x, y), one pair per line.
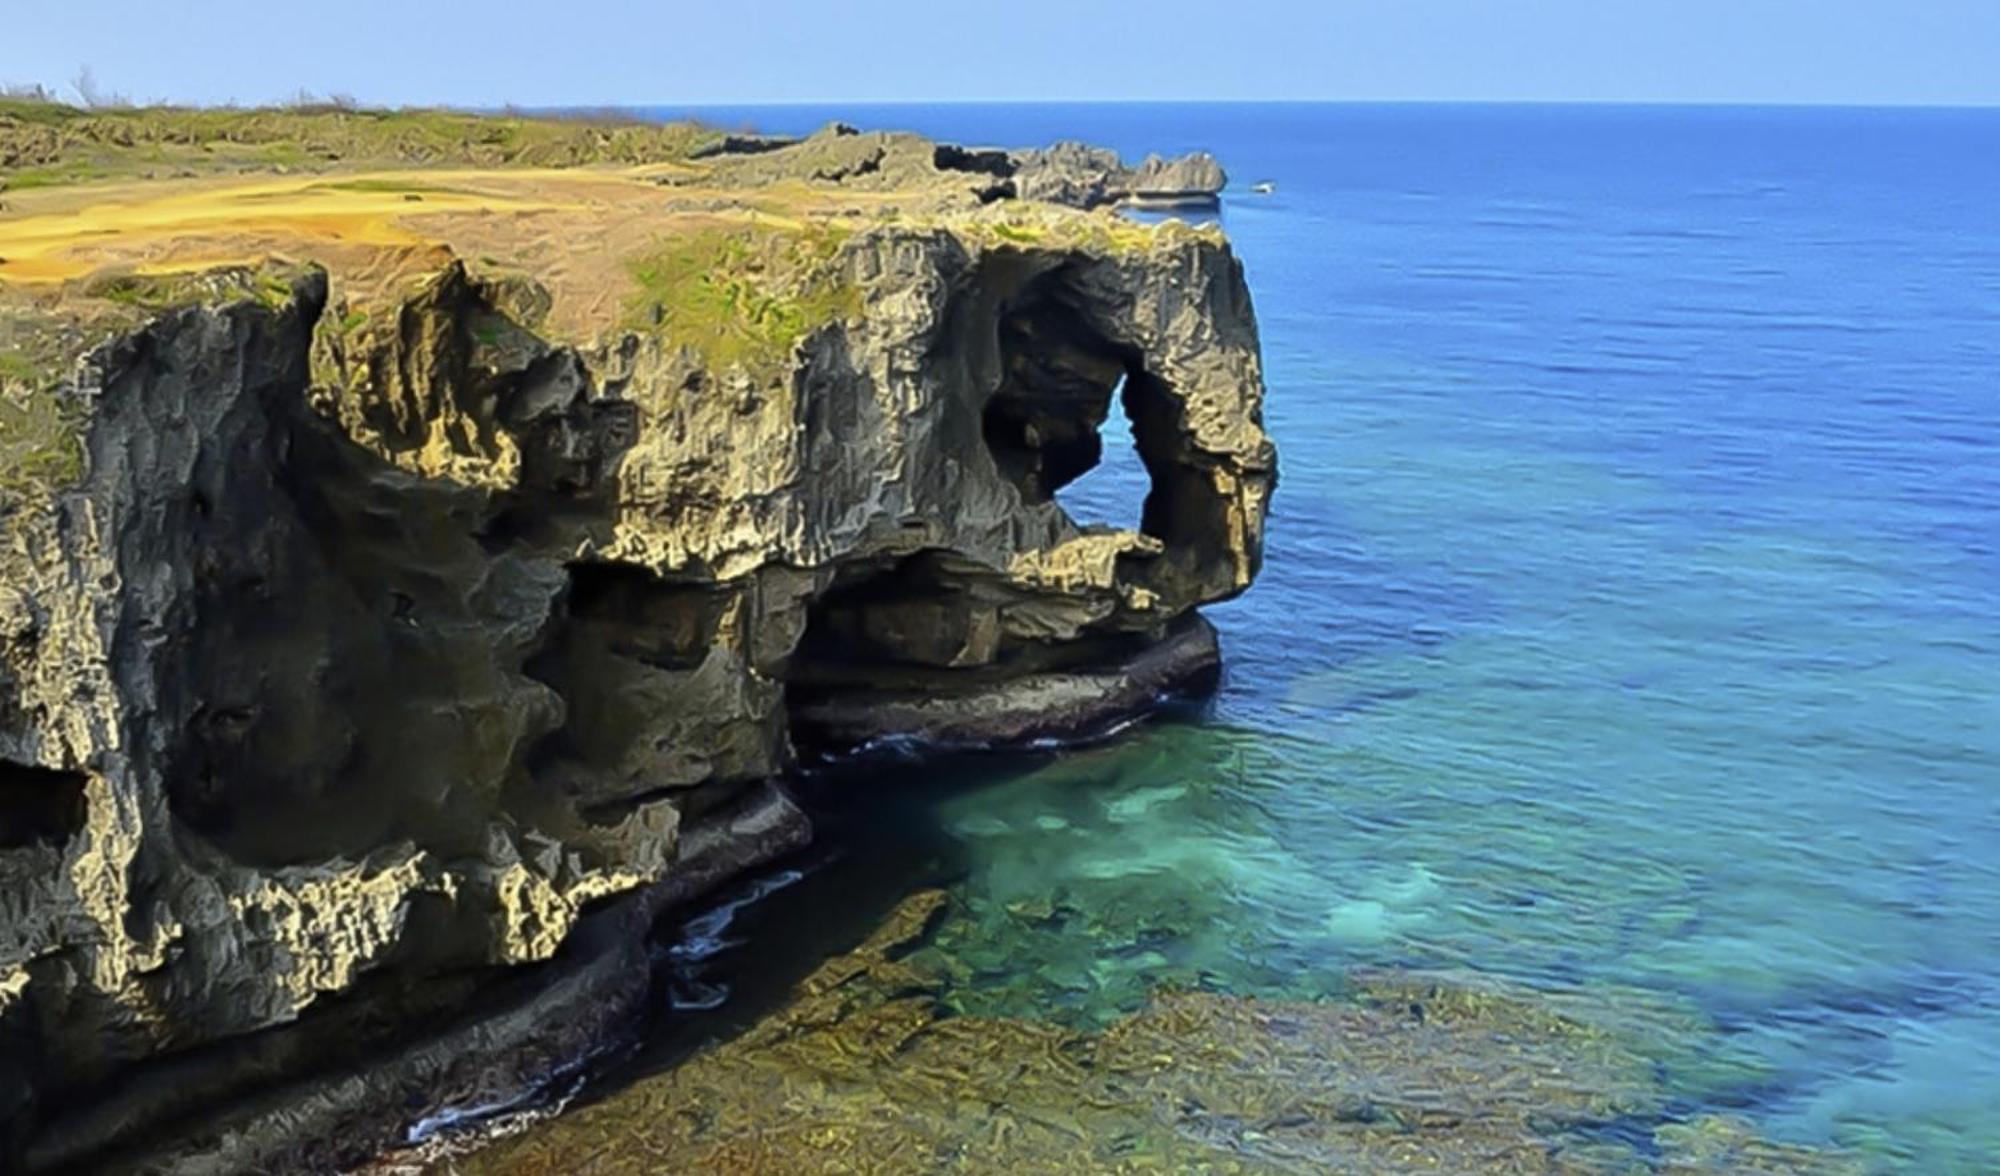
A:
(577, 52)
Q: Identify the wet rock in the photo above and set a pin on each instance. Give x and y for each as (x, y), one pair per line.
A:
(355, 1077)
(1055, 706)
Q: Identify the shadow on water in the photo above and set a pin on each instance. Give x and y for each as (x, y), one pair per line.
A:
(878, 838)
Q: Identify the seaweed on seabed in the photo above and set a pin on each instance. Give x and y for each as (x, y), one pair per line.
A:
(1417, 1074)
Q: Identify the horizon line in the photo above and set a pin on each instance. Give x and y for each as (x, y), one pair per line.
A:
(809, 103)
(1710, 103)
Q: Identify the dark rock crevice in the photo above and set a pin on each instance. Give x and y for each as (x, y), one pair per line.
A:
(342, 616)
(916, 612)
(39, 806)
(638, 661)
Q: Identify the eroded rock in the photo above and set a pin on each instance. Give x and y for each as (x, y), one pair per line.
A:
(1083, 176)
(1070, 174)
(380, 631)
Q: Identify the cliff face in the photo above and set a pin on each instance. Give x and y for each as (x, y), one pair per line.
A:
(376, 636)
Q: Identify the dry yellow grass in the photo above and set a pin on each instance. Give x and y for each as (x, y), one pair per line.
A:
(107, 220)
(700, 252)
(152, 228)
(577, 230)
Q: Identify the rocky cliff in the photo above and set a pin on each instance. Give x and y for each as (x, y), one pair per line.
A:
(373, 620)
(1086, 177)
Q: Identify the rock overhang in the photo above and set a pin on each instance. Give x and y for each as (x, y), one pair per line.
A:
(405, 604)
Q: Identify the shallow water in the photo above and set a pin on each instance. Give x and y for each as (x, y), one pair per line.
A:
(1629, 621)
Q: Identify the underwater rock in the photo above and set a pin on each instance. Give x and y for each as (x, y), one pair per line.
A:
(1416, 1073)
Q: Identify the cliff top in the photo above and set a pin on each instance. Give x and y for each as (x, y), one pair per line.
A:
(724, 244)
(719, 241)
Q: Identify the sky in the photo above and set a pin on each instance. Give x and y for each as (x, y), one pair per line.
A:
(668, 52)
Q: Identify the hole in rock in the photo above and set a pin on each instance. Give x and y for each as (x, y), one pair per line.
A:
(39, 806)
(1045, 422)
(1112, 492)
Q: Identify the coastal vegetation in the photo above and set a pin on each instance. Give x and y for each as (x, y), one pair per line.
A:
(45, 143)
(41, 442)
(742, 294)
(1104, 233)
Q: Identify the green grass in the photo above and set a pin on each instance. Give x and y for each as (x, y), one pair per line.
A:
(742, 296)
(153, 293)
(51, 143)
(37, 112)
(41, 443)
(73, 171)
(35, 353)
(391, 186)
(41, 429)
(17, 368)
(1100, 232)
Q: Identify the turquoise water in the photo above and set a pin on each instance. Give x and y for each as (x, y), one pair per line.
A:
(1629, 620)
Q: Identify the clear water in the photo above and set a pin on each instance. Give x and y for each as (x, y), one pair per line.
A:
(1631, 617)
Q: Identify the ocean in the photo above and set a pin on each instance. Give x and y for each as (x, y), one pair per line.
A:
(1630, 622)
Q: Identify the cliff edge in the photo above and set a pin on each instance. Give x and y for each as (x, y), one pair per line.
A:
(415, 556)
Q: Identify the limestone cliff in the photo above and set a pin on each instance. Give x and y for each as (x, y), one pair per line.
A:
(365, 620)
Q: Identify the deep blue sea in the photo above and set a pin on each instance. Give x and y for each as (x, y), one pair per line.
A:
(1631, 619)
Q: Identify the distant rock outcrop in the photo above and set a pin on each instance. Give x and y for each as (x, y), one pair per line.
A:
(1082, 176)
(1071, 174)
